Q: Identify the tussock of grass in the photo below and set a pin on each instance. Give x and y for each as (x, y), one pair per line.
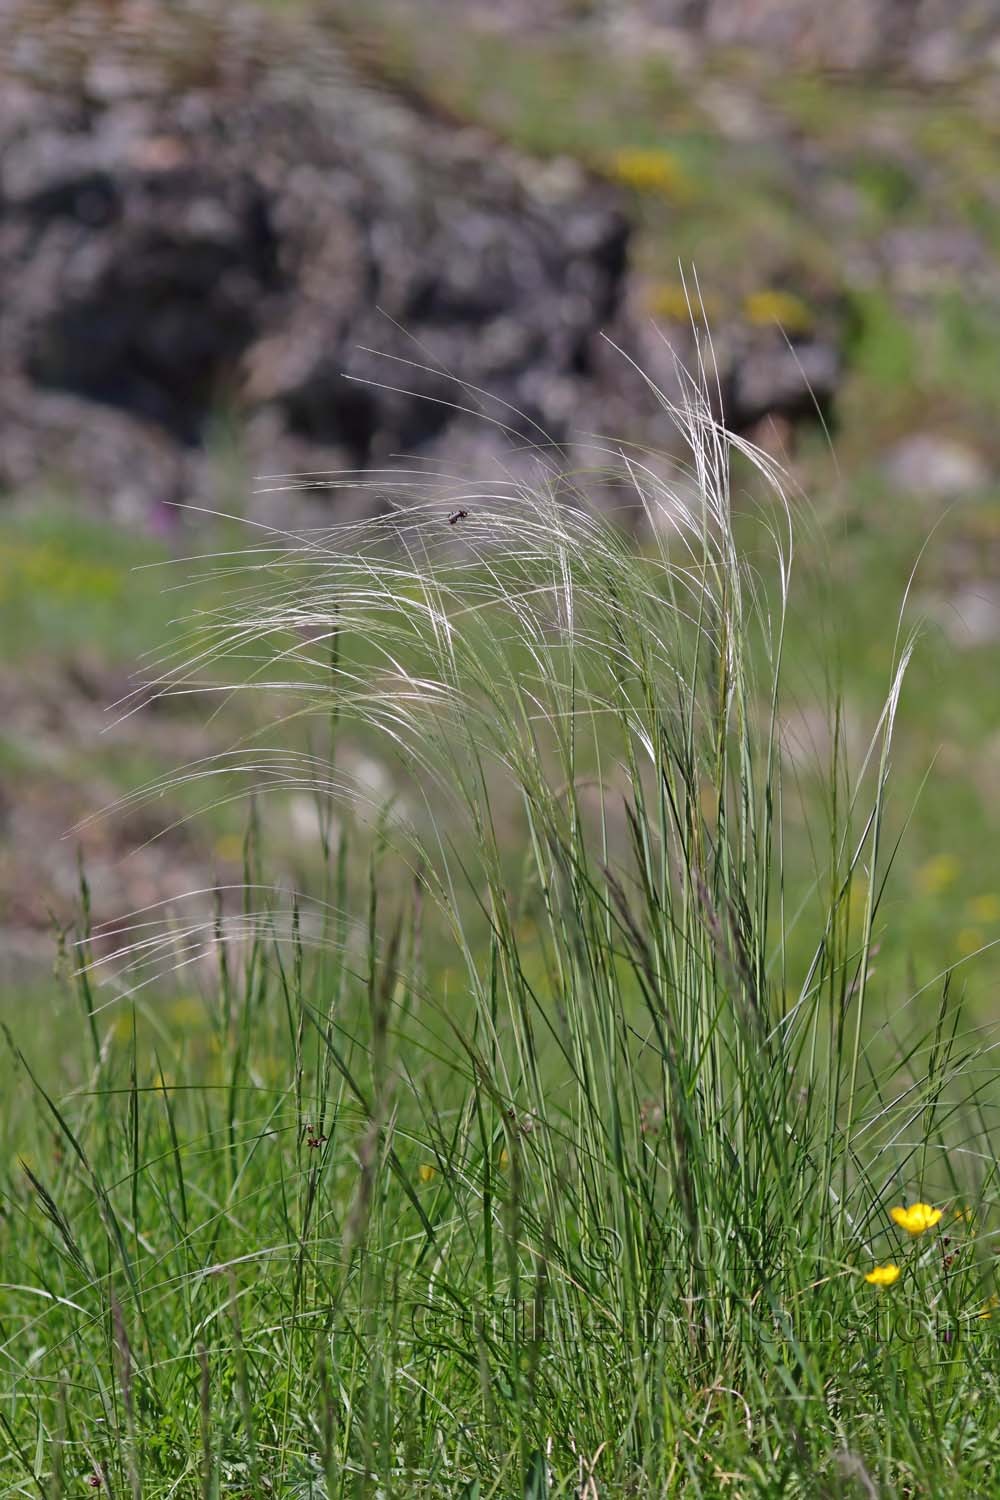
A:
(520, 1158)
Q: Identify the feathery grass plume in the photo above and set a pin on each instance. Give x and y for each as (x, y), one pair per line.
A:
(560, 951)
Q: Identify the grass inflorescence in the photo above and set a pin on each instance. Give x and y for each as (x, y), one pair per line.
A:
(559, 1139)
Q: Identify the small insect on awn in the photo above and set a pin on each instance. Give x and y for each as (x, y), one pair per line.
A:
(458, 515)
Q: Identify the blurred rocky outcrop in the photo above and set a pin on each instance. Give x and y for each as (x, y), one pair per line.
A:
(204, 209)
(207, 209)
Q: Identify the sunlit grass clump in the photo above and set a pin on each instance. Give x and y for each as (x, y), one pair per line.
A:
(560, 1139)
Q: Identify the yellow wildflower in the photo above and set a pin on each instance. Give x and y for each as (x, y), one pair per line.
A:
(426, 1172)
(784, 308)
(671, 302)
(882, 1275)
(229, 848)
(916, 1218)
(990, 1306)
(651, 171)
(187, 1011)
(969, 941)
(985, 908)
(938, 873)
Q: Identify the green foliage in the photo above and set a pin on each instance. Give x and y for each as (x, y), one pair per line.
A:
(545, 1146)
(883, 349)
(888, 186)
(55, 571)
